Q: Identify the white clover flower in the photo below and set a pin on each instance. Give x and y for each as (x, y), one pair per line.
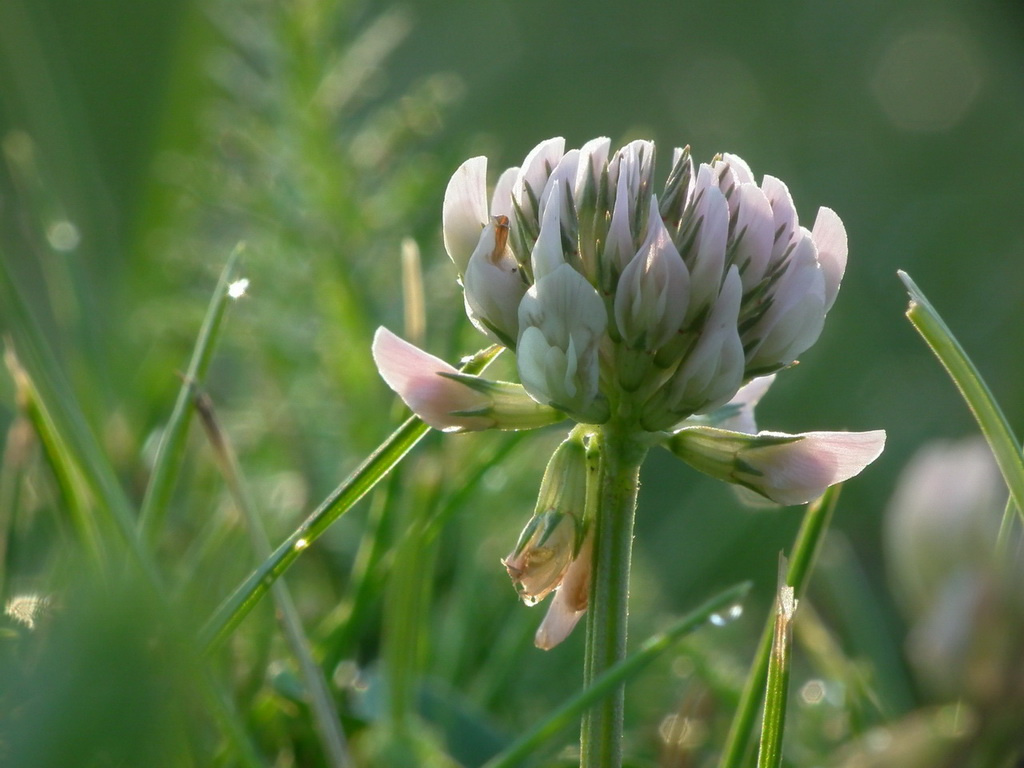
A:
(656, 313)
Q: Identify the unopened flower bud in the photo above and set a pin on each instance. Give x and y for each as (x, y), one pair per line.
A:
(552, 538)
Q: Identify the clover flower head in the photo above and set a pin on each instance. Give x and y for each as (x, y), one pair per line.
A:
(664, 311)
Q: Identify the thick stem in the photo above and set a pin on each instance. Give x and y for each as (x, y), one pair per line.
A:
(622, 454)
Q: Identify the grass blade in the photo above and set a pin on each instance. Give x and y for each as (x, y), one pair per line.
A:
(172, 443)
(343, 498)
(975, 392)
(613, 677)
(769, 754)
(801, 562)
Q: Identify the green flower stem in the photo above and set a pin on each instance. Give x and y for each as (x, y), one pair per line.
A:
(622, 454)
(994, 426)
(526, 745)
(801, 562)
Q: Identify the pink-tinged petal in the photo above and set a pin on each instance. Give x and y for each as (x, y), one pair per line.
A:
(464, 213)
(707, 262)
(653, 291)
(800, 471)
(713, 370)
(830, 237)
(753, 233)
(570, 601)
(788, 469)
(796, 316)
(787, 224)
(413, 375)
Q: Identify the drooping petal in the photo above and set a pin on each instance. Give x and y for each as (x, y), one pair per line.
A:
(414, 376)
(788, 469)
(830, 237)
(570, 601)
(464, 212)
(653, 292)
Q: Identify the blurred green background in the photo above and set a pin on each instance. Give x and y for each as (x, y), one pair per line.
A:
(142, 140)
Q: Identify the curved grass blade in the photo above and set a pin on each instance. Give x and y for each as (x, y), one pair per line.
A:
(172, 443)
(612, 678)
(975, 392)
(801, 562)
(341, 500)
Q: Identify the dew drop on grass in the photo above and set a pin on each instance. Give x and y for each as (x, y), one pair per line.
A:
(730, 614)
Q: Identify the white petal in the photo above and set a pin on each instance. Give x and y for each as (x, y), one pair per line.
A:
(564, 175)
(619, 249)
(464, 213)
(413, 375)
(593, 159)
(494, 288)
(743, 403)
(830, 237)
(547, 251)
(533, 175)
(501, 200)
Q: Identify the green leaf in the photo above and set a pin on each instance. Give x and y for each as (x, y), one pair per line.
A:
(773, 723)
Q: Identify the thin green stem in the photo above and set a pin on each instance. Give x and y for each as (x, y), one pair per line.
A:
(975, 392)
(801, 563)
(171, 448)
(622, 454)
(613, 678)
